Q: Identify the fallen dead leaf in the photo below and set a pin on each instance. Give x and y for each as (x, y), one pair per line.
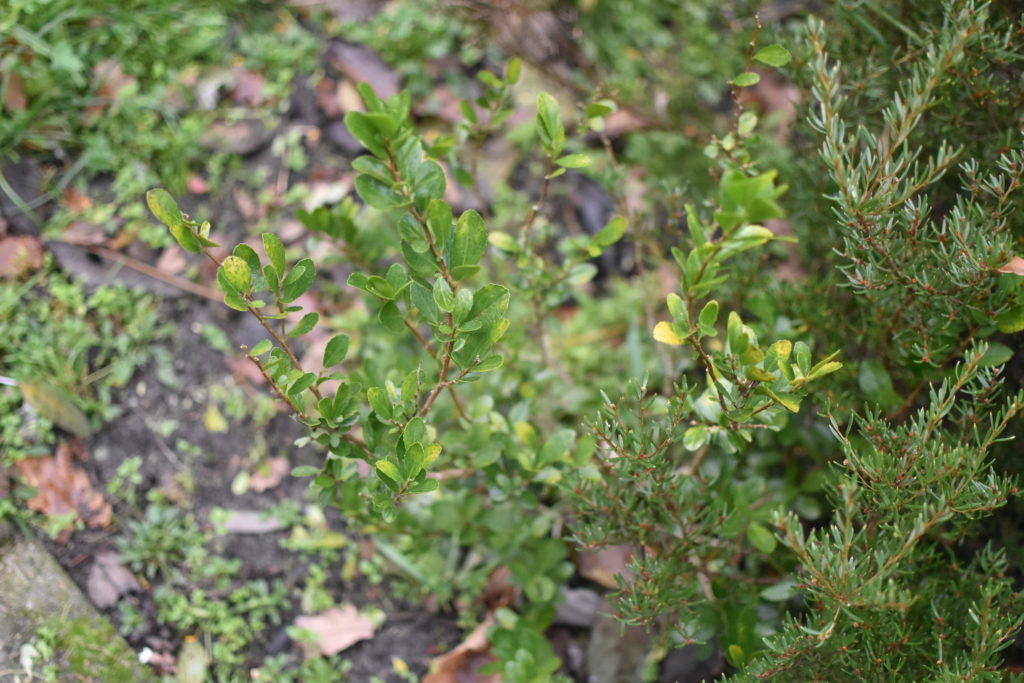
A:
(197, 184)
(56, 405)
(269, 474)
(251, 522)
(19, 255)
(85, 234)
(172, 260)
(327, 97)
(1014, 267)
(249, 87)
(241, 137)
(337, 629)
(109, 579)
(601, 566)
(462, 665)
(112, 80)
(63, 487)
(361, 64)
(499, 591)
(14, 95)
(247, 206)
(76, 201)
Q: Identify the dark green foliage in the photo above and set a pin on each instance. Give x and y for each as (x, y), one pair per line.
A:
(472, 377)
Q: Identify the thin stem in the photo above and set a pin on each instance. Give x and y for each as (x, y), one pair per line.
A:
(535, 209)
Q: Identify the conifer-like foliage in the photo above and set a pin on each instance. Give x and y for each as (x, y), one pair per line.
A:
(801, 469)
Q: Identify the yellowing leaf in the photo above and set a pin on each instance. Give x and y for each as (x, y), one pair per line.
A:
(666, 334)
(56, 406)
(214, 420)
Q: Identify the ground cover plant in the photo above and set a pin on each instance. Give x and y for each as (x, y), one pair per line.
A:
(752, 338)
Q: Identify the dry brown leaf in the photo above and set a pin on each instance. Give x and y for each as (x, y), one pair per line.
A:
(269, 474)
(85, 234)
(1014, 267)
(337, 629)
(172, 260)
(14, 96)
(197, 184)
(249, 87)
(63, 487)
(499, 591)
(327, 97)
(19, 255)
(361, 64)
(112, 80)
(462, 665)
(76, 201)
(601, 566)
(251, 522)
(108, 580)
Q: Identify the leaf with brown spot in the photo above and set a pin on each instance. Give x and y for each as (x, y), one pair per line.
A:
(109, 579)
(336, 629)
(463, 664)
(1014, 267)
(63, 487)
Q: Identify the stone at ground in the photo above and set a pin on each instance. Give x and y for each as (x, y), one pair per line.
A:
(35, 594)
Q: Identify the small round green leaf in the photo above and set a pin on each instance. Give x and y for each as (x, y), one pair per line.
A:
(746, 79)
(773, 55)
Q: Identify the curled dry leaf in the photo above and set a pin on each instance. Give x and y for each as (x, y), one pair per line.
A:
(62, 486)
(336, 629)
(462, 665)
(1014, 267)
(108, 580)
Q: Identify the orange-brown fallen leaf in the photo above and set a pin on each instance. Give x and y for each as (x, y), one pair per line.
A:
(20, 255)
(462, 665)
(62, 486)
(76, 201)
(269, 474)
(1014, 267)
(337, 629)
(14, 93)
